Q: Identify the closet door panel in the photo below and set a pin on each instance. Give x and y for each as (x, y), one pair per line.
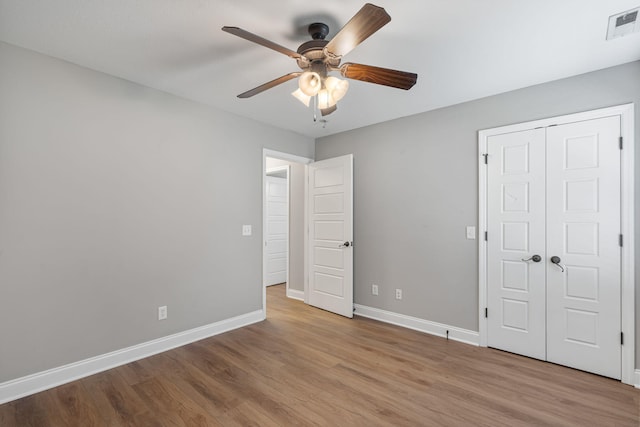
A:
(516, 208)
(583, 227)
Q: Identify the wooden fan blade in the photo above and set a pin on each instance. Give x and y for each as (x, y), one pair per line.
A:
(378, 75)
(329, 110)
(367, 21)
(261, 41)
(269, 85)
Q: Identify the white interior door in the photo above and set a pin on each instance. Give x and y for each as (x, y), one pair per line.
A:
(330, 242)
(516, 233)
(555, 192)
(277, 233)
(583, 229)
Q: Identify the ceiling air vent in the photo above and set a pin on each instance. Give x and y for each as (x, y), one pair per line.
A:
(623, 24)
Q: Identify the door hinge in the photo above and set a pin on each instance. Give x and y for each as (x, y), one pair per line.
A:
(620, 240)
(486, 236)
(486, 312)
(621, 338)
(486, 159)
(621, 143)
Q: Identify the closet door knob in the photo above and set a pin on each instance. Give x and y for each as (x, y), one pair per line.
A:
(535, 258)
(556, 260)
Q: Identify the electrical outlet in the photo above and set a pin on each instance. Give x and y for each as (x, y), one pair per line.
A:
(162, 312)
(398, 293)
(374, 289)
(471, 232)
(246, 230)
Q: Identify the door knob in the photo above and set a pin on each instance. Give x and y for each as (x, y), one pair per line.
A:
(346, 245)
(535, 258)
(556, 260)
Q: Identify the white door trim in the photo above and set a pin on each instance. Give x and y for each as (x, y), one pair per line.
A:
(292, 158)
(626, 113)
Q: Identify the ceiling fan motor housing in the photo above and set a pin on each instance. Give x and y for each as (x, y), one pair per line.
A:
(313, 55)
(318, 30)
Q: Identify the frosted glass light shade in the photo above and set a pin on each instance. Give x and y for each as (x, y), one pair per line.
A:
(301, 96)
(310, 83)
(336, 87)
(325, 100)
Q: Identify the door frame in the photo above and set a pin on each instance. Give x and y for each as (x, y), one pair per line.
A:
(286, 169)
(626, 113)
(266, 152)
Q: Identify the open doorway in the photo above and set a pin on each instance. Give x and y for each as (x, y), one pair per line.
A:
(284, 213)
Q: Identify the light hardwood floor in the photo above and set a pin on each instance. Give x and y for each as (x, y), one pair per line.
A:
(304, 366)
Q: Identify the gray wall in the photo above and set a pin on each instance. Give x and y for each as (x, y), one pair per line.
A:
(296, 221)
(116, 199)
(416, 188)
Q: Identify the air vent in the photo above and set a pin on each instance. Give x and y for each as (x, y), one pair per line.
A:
(623, 24)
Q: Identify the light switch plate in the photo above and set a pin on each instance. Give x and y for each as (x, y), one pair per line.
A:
(246, 230)
(471, 232)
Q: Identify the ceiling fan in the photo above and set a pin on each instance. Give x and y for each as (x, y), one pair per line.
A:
(318, 57)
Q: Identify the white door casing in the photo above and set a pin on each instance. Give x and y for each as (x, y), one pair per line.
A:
(582, 203)
(330, 241)
(583, 229)
(277, 230)
(516, 209)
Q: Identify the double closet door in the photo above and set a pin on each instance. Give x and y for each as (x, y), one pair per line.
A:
(553, 247)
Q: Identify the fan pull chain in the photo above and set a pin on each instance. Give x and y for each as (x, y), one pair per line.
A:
(315, 108)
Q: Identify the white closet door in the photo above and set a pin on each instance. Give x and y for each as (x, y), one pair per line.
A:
(516, 211)
(583, 227)
(277, 243)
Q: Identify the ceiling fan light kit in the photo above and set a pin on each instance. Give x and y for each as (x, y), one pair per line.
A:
(318, 57)
(310, 83)
(301, 96)
(336, 87)
(325, 100)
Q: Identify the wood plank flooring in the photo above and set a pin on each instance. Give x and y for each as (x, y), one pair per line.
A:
(303, 366)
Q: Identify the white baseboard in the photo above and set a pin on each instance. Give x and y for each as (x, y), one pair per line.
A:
(21, 387)
(433, 328)
(636, 382)
(295, 294)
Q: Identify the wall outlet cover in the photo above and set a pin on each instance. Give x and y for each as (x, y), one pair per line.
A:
(162, 312)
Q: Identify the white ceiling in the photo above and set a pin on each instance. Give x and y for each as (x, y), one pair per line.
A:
(461, 49)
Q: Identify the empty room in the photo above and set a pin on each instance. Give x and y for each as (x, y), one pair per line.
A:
(234, 213)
